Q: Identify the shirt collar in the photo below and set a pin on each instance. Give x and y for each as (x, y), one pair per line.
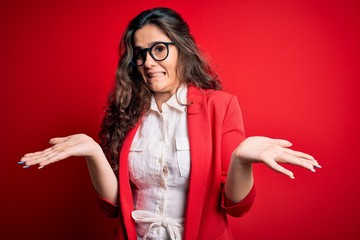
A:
(177, 101)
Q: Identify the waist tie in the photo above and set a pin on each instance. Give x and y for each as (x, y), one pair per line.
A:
(173, 225)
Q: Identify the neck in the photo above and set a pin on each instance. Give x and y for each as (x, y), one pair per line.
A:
(160, 98)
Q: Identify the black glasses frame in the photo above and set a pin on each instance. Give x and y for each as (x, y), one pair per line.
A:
(143, 53)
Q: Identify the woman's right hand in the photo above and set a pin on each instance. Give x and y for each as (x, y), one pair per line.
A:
(79, 145)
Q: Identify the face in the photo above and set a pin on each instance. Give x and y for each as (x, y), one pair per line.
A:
(159, 76)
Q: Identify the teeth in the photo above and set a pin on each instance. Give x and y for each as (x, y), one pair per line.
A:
(160, 74)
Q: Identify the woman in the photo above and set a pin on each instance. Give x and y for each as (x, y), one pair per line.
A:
(172, 138)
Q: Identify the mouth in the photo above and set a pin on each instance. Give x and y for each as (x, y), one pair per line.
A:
(155, 75)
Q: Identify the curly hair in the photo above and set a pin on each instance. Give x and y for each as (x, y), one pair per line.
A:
(130, 98)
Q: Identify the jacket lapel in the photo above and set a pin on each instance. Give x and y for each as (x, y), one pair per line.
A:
(126, 201)
(200, 152)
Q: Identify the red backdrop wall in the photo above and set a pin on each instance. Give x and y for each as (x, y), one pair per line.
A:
(294, 66)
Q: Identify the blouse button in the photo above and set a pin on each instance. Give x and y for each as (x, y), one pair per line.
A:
(165, 170)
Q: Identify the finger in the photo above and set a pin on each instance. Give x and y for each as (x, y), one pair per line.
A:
(281, 142)
(36, 154)
(313, 162)
(31, 156)
(58, 156)
(299, 154)
(41, 159)
(45, 155)
(278, 168)
(58, 145)
(58, 140)
(304, 157)
(290, 159)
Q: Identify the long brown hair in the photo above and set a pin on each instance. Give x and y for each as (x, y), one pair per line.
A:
(130, 98)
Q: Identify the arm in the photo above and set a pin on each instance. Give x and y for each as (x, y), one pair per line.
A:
(80, 145)
(235, 180)
(239, 180)
(265, 150)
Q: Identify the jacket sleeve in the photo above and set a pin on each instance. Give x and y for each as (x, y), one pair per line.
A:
(232, 135)
(107, 208)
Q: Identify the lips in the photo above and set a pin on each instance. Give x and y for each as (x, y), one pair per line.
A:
(155, 74)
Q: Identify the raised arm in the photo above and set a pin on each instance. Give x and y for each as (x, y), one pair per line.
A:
(79, 145)
(265, 150)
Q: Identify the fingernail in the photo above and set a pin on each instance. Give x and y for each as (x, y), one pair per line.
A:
(317, 166)
(292, 177)
(313, 170)
(26, 166)
(40, 167)
(20, 162)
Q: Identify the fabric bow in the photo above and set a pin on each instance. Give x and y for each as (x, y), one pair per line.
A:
(172, 225)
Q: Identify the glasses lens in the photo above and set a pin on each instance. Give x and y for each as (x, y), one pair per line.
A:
(159, 51)
(138, 58)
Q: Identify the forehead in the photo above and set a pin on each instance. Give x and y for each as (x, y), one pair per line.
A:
(147, 35)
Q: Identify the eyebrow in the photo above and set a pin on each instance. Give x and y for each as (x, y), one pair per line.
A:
(149, 45)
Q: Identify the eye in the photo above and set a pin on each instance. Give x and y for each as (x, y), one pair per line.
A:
(137, 54)
(159, 48)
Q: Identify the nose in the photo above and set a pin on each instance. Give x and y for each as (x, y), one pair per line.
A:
(149, 61)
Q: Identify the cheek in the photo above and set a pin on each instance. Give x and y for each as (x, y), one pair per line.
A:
(172, 61)
(172, 66)
(175, 70)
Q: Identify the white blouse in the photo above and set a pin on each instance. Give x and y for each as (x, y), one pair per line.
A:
(159, 168)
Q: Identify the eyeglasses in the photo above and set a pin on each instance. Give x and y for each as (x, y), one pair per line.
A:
(159, 52)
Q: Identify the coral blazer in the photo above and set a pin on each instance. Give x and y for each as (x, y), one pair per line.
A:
(215, 128)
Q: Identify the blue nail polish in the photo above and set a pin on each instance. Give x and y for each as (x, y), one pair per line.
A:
(21, 163)
(26, 166)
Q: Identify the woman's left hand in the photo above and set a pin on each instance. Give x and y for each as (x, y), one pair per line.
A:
(272, 152)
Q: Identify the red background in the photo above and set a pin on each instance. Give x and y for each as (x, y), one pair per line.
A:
(294, 66)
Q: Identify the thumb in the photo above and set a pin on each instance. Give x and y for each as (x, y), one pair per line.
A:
(282, 142)
(57, 140)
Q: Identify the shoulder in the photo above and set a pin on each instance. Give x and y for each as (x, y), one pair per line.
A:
(214, 100)
(210, 95)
